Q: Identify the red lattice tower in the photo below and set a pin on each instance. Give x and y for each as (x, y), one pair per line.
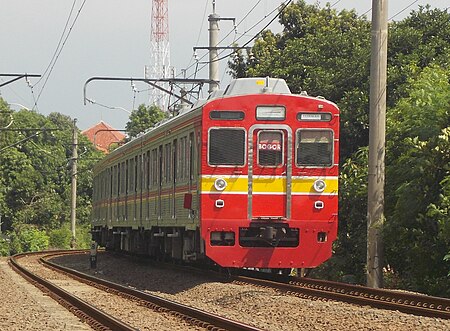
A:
(160, 52)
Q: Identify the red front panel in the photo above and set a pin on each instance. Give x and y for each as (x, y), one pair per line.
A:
(257, 192)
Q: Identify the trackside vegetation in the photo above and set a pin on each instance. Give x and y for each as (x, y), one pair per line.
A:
(326, 52)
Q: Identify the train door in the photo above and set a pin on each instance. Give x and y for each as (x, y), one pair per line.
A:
(270, 169)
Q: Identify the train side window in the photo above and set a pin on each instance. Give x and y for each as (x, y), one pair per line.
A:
(226, 146)
(315, 148)
(111, 186)
(137, 167)
(270, 148)
(130, 175)
(121, 169)
(167, 163)
(147, 170)
(175, 161)
(116, 180)
(126, 178)
(103, 185)
(182, 159)
(191, 157)
(154, 166)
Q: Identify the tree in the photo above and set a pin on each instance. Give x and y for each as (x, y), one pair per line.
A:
(35, 178)
(416, 42)
(143, 118)
(418, 158)
(323, 52)
(327, 53)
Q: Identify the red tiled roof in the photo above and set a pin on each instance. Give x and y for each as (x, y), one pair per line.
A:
(103, 135)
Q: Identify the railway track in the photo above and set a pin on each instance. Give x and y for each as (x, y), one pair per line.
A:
(94, 317)
(308, 288)
(98, 319)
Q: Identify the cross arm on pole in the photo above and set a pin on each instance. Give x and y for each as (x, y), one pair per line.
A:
(152, 82)
(16, 77)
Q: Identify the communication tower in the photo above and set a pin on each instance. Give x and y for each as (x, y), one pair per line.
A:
(160, 51)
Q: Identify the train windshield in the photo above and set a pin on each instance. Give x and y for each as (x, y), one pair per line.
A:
(270, 148)
(315, 148)
(226, 147)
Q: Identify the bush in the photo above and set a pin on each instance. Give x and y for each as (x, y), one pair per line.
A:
(60, 238)
(33, 240)
(4, 247)
(28, 239)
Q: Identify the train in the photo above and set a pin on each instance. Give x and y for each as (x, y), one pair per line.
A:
(247, 178)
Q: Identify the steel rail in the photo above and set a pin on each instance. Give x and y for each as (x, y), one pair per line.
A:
(416, 304)
(96, 318)
(194, 315)
(308, 288)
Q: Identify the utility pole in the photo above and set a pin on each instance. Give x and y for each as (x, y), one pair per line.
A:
(213, 47)
(377, 133)
(73, 205)
(213, 20)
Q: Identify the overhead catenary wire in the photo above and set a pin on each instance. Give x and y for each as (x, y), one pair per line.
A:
(59, 52)
(200, 32)
(396, 14)
(401, 11)
(242, 20)
(334, 4)
(244, 34)
(59, 42)
(234, 29)
(254, 37)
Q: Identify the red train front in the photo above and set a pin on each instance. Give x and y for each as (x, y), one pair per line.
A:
(268, 176)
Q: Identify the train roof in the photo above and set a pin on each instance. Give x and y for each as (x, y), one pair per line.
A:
(256, 85)
(239, 86)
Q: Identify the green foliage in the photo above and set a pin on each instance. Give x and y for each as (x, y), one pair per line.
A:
(418, 41)
(35, 179)
(327, 53)
(60, 238)
(84, 236)
(417, 190)
(349, 251)
(4, 246)
(143, 118)
(323, 52)
(28, 239)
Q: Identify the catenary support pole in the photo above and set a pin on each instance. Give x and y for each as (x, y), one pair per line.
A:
(213, 52)
(377, 130)
(73, 205)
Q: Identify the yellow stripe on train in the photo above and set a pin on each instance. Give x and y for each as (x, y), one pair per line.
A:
(268, 184)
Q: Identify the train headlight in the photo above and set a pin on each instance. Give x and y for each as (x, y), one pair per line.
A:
(220, 184)
(319, 185)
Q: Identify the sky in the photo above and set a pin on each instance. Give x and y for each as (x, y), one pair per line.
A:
(112, 38)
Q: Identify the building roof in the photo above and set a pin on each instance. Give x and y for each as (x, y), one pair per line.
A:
(102, 135)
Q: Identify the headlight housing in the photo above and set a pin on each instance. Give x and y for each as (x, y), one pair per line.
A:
(319, 185)
(220, 184)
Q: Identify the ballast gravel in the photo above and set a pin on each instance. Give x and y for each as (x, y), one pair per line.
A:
(128, 311)
(263, 308)
(24, 307)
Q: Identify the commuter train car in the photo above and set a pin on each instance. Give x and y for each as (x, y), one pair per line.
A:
(247, 178)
